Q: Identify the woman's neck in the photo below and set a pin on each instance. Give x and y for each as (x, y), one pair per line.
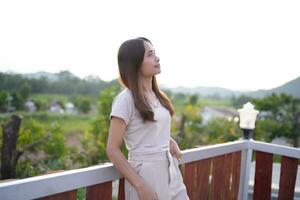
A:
(146, 85)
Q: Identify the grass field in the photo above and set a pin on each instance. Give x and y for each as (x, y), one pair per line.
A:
(69, 123)
(214, 102)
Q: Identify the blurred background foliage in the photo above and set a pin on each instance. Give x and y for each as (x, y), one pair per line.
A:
(63, 141)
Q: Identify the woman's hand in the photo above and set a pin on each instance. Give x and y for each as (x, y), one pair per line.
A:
(174, 149)
(145, 192)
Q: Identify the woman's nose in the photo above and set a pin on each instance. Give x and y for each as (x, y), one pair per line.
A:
(157, 59)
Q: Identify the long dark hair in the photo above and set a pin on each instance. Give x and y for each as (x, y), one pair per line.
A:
(130, 58)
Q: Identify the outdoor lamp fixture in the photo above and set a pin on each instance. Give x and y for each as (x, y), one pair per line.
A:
(247, 119)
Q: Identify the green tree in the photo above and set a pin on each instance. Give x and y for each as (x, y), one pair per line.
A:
(94, 140)
(47, 143)
(3, 97)
(84, 105)
(239, 101)
(25, 90)
(221, 130)
(63, 82)
(38, 149)
(187, 127)
(17, 100)
(279, 117)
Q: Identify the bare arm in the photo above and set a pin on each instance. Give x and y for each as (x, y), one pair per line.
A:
(114, 141)
(115, 155)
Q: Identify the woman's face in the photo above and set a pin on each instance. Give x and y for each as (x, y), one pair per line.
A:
(150, 65)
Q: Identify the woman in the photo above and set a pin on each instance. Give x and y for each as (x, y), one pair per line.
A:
(141, 116)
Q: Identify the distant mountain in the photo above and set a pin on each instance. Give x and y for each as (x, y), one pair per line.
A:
(292, 88)
(207, 91)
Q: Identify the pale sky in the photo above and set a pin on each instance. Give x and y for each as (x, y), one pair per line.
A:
(240, 45)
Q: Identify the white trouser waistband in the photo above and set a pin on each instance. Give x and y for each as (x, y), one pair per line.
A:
(159, 156)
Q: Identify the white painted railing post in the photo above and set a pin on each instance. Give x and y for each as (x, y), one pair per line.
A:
(245, 171)
(247, 124)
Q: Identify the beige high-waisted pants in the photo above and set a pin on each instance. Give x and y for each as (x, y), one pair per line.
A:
(159, 170)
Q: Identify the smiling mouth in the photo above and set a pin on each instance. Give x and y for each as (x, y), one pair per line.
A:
(157, 66)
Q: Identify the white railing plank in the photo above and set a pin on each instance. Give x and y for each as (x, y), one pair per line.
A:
(45, 185)
(210, 151)
(275, 149)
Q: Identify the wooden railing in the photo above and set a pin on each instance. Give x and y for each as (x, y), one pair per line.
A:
(289, 159)
(212, 172)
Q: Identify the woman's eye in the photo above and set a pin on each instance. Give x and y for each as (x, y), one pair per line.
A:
(151, 53)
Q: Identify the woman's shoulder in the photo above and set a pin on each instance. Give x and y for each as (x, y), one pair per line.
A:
(125, 94)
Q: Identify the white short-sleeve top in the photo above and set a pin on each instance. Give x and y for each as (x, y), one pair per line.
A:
(139, 136)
